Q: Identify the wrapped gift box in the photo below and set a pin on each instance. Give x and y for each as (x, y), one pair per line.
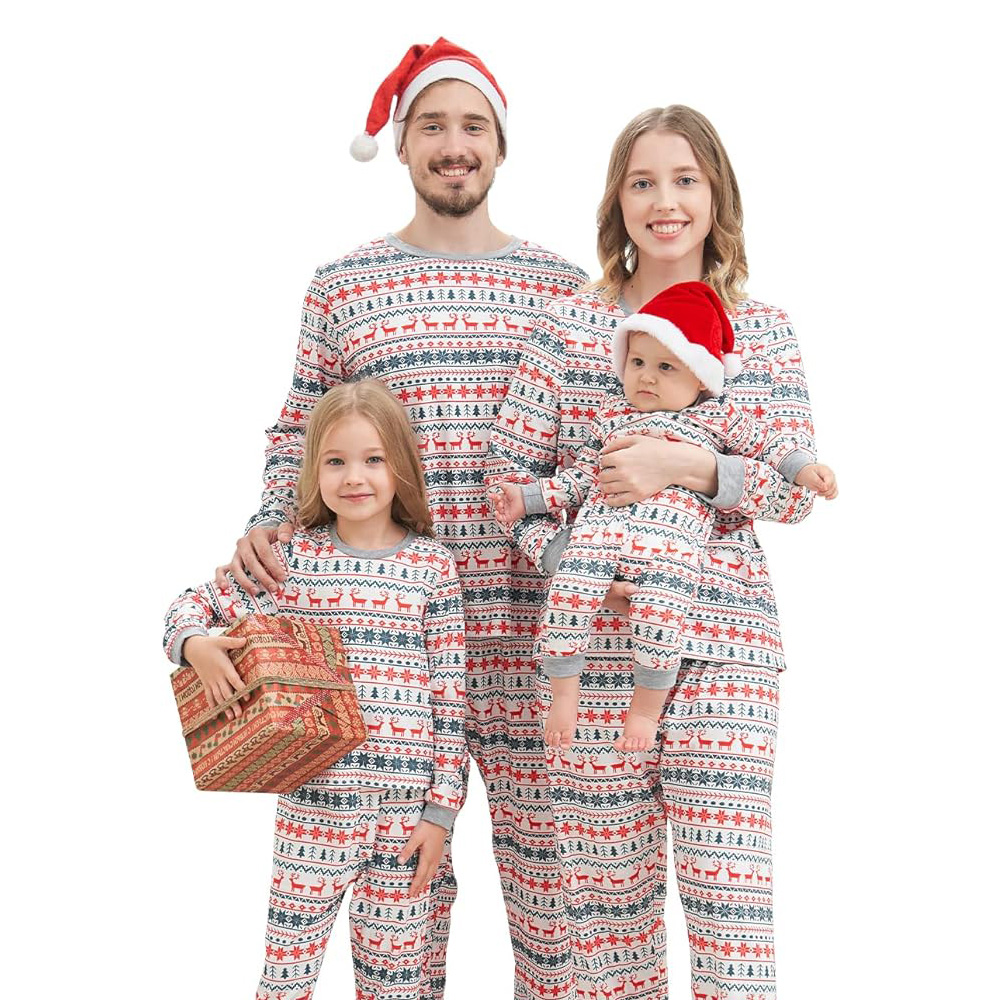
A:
(301, 717)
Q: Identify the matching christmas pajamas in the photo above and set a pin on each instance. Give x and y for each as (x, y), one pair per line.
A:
(399, 614)
(710, 779)
(445, 334)
(658, 543)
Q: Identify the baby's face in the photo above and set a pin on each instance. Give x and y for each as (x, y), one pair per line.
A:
(654, 378)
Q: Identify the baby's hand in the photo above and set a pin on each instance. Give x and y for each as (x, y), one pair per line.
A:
(818, 478)
(508, 503)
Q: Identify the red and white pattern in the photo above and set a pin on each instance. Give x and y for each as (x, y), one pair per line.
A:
(611, 812)
(711, 780)
(658, 543)
(445, 334)
(399, 616)
(563, 380)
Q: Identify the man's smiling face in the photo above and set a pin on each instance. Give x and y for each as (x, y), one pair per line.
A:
(451, 146)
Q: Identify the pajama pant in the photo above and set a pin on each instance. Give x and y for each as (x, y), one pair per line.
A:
(660, 547)
(505, 740)
(326, 839)
(711, 780)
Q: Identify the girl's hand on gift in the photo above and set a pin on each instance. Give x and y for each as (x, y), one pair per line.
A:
(818, 478)
(428, 839)
(634, 468)
(207, 654)
(508, 502)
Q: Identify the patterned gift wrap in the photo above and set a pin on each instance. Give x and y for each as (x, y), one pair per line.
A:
(301, 717)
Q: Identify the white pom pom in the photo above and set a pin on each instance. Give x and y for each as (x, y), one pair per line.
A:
(731, 365)
(364, 147)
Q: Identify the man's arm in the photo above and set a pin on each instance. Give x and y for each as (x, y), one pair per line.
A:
(318, 367)
(524, 441)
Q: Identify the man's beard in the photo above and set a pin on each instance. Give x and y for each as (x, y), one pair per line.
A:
(458, 202)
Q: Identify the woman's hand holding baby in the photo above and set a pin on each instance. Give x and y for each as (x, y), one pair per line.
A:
(634, 468)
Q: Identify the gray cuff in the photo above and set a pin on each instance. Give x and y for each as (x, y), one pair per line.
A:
(439, 815)
(563, 666)
(793, 464)
(553, 552)
(656, 680)
(531, 493)
(176, 655)
(731, 473)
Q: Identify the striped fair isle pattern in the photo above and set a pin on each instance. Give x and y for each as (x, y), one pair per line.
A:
(445, 335)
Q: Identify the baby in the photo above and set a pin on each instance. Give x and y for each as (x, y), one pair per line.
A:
(671, 357)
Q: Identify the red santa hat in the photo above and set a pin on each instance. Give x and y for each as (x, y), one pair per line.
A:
(691, 322)
(420, 67)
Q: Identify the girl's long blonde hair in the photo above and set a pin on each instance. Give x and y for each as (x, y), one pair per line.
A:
(725, 261)
(373, 401)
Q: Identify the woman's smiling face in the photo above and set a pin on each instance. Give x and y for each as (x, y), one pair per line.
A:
(666, 201)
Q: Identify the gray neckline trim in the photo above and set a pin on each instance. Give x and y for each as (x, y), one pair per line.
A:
(396, 242)
(377, 553)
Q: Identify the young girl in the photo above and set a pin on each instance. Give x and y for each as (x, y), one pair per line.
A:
(363, 560)
(670, 213)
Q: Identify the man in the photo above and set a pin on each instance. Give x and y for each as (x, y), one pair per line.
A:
(439, 312)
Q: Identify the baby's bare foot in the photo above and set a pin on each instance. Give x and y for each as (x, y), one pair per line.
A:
(638, 734)
(560, 725)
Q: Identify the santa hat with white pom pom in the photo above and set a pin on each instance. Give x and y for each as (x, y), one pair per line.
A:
(690, 321)
(419, 68)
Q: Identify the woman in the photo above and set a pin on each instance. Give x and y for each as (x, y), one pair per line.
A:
(671, 212)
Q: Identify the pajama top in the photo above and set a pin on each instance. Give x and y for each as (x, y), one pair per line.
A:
(713, 423)
(399, 615)
(563, 381)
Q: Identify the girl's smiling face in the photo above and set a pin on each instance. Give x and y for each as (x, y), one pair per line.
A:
(355, 480)
(666, 202)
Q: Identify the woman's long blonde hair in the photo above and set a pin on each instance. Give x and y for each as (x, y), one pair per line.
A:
(373, 401)
(725, 261)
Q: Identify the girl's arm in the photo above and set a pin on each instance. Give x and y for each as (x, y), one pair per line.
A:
(187, 642)
(444, 637)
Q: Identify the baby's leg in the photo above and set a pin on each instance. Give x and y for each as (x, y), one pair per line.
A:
(586, 570)
(560, 723)
(576, 593)
(656, 614)
(642, 720)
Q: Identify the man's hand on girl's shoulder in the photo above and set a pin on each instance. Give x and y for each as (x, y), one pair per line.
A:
(254, 556)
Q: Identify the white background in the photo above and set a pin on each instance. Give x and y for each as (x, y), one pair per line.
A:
(175, 172)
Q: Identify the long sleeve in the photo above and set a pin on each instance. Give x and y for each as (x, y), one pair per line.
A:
(206, 606)
(750, 487)
(318, 367)
(569, 487)
(524, 442)
(444, 636)
(751, 438)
